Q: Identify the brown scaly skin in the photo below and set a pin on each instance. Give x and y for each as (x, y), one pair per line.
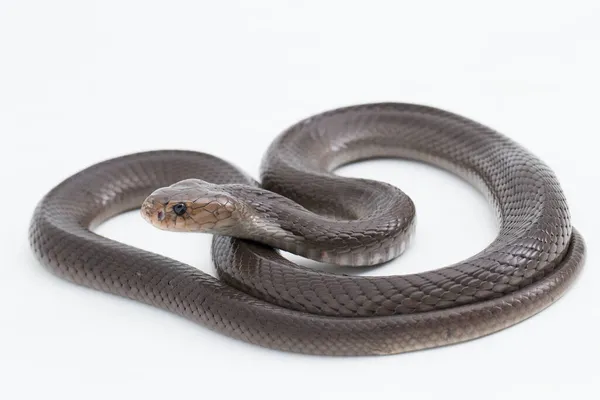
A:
(206, 208)
(264, 299)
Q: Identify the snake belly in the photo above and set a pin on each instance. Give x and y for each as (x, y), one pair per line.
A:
(262, 298)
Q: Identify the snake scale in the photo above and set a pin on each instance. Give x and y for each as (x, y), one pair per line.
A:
(302, 207)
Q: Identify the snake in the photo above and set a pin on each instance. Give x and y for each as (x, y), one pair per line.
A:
(301, 206)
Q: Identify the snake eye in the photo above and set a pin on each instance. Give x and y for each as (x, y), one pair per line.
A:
(180, 209)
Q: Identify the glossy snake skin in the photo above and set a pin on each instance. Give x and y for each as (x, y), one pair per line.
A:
(263, 298)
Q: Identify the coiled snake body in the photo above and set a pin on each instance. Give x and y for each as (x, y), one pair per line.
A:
(265, 299)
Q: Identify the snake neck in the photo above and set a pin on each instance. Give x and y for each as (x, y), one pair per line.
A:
(362, 236)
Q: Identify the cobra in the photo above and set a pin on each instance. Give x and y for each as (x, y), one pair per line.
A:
(301, 206)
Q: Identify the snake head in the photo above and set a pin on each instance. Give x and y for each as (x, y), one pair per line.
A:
(192, 205)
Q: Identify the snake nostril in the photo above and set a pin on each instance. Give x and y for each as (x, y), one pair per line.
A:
(161, 215)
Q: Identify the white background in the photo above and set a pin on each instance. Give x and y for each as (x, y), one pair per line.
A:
(83, 81)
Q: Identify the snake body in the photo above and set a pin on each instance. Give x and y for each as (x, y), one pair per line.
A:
(302, 207)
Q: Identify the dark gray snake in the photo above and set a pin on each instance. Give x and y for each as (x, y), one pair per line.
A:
(265, 299)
